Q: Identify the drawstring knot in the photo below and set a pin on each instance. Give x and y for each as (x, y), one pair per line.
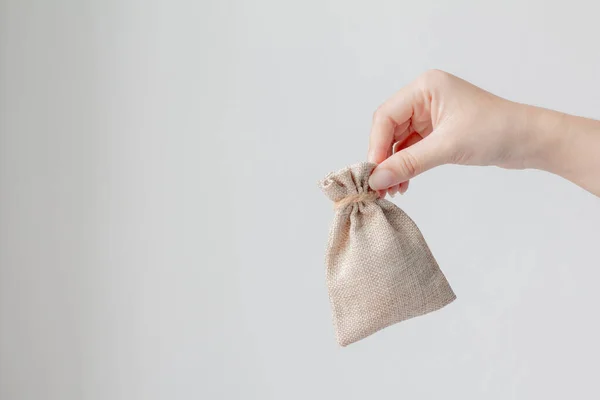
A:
(356, 198)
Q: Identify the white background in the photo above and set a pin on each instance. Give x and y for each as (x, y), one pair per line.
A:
(162, 234)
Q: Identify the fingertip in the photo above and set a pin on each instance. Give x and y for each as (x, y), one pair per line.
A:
(371, 156)
(377, 156)
(392, 191)
(403, 187)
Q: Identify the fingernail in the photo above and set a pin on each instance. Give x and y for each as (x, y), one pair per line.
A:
(381, 179)
(404, 187)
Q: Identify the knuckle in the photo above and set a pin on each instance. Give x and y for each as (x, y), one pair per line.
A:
(379, 114)
(433, 77)
(459, 156)
(408, 165)
(456, 158)
(463, 158)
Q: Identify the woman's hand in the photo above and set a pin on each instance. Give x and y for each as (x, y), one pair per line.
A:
(441, 119)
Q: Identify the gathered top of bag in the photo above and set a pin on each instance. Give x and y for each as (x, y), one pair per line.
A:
(349, 185)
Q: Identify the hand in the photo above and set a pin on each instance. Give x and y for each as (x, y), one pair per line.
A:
(441, 119)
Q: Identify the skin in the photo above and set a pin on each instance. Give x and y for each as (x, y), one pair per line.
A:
(441, 119)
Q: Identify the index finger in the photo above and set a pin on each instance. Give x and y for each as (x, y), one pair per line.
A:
(394, 113)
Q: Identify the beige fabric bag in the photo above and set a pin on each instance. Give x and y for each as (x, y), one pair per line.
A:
(379, 268)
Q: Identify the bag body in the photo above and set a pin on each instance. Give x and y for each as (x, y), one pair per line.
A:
(380, 270)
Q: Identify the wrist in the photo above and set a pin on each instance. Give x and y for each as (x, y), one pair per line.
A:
(565, 145)
(546, 137)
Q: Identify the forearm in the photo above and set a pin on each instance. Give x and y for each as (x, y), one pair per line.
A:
(565, 145)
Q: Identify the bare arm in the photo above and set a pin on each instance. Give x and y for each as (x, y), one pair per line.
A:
(570, 146)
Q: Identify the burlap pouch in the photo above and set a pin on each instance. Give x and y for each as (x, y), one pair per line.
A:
(379, 269)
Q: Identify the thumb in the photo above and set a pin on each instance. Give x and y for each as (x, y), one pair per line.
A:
(406, 164)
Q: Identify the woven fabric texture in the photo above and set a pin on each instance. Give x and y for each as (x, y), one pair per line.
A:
(379, 269)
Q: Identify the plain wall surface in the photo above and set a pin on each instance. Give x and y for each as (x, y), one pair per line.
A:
(161, 231)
